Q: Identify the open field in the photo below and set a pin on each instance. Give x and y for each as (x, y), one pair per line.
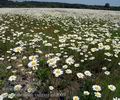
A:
(59, 54)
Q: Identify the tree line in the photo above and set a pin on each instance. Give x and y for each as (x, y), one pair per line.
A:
(33, 4)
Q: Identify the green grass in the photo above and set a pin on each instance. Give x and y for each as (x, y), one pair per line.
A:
(21, 30)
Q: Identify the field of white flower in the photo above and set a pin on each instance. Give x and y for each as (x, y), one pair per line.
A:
(59, 54)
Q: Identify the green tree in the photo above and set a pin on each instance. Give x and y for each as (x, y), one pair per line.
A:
(107, 5)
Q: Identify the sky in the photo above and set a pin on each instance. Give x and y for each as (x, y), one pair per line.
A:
(89, 2)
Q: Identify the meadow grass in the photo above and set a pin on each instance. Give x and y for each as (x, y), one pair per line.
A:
(54, 54)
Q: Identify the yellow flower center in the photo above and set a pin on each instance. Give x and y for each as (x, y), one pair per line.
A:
(18, 49)
(76, 98)
(33, 63)
(57, 71)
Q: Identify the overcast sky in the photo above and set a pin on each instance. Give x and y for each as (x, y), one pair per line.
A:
(91, 2)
